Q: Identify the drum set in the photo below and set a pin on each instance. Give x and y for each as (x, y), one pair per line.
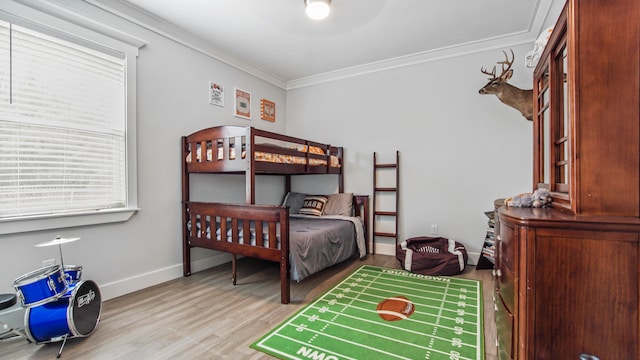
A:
(59, 304)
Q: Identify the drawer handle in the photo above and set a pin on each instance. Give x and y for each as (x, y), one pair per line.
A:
(499, 237)
(588, 357)
(498, 273)
(493, 272)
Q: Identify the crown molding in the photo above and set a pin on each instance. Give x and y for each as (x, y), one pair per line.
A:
(160, 27)
(141, 18)
(536, 23)
(77, 13)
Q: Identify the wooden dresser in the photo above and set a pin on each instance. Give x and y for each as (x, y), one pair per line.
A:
(567, 277)
(566, 286)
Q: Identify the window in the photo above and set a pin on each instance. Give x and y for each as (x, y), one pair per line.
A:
(64, 149)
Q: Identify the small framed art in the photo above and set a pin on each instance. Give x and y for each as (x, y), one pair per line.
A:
(216, 93)
(267, 110)
(243, 104)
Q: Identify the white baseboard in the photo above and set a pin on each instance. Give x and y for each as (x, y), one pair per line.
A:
(385, 249)
(14, 316)
(139, 282)
(473, 258)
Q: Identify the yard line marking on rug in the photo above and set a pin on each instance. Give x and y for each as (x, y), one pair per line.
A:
(445, 282)
(345, 322)
(390, 324)
(396, 285)
(379, 335)
(436, 324)
(471, 286)
(315, 305)
(426, 299)
(322, 298)
(350, 342)
(298, 326)
(425, 304)
(400, 288)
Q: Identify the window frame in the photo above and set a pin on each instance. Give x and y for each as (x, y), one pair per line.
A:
(63, 28)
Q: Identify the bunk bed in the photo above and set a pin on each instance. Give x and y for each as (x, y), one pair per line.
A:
(269, 232)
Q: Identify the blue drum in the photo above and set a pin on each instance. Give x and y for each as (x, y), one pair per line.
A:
(41, 286)
(76, 314)
(72, 273)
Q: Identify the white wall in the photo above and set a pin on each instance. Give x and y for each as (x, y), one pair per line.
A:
(459, 150)
(172, 102)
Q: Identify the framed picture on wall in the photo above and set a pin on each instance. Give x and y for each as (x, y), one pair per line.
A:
(216, 93)
(243, 104)
(267, 110)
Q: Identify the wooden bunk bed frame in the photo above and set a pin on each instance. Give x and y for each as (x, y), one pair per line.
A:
(235, 219)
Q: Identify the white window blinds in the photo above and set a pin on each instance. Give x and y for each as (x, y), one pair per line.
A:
(62, 125)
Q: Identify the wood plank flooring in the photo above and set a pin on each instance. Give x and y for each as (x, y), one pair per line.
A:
(205, 317)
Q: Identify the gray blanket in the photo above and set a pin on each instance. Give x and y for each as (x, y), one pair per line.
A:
(317, 243)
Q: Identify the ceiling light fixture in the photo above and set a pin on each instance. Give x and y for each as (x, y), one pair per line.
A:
(317, 9)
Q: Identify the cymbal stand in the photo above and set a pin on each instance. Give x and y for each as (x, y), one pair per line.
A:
(61, 260)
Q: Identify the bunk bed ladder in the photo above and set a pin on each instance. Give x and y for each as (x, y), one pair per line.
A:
(391, 214)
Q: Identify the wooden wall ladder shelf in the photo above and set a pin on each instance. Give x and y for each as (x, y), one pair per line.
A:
(378, 190)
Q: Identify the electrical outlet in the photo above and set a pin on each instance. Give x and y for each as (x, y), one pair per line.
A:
(434, 229)
(48, 262)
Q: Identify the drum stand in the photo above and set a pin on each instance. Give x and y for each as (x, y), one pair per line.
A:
(64, 341)
(7, 301)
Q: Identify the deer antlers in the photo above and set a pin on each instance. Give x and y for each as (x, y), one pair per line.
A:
(521, 100)
(504, 63)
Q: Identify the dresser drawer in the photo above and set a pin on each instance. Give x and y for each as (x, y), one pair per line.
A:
(504, 329)
(506, 272)
(508, 246)
(506, 280)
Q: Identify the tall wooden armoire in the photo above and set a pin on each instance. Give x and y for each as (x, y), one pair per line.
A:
(567, 277)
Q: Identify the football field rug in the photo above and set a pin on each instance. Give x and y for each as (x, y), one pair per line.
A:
(379, 313)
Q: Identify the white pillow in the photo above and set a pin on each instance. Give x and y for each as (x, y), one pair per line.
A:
(339, 204)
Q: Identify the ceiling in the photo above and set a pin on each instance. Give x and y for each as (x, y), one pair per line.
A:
(276, 37)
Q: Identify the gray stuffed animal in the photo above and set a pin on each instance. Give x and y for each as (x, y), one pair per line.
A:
(541, 198)
(537, 199)
(520, 200)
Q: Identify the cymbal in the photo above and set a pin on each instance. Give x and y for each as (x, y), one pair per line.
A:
(57, 241)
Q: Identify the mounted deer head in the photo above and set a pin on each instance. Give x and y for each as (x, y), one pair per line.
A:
(521, 100)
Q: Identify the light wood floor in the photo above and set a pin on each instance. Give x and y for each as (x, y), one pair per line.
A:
(205, 317)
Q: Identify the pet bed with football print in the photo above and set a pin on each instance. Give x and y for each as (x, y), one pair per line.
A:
(432, 256)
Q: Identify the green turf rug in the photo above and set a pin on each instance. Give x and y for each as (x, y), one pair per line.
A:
(378, 313)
